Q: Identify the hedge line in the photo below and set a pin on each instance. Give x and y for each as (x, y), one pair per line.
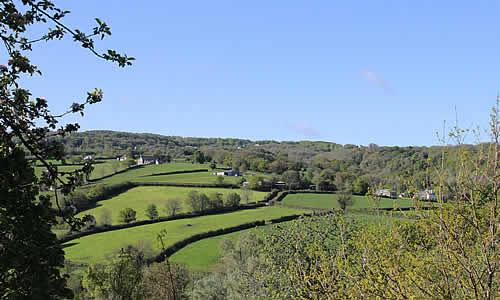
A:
(223, 210)
(116, 173)
(194, 238)
(284, 194)
(197, 185)
(177, 172)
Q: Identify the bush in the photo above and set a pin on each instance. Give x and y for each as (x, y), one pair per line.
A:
(127, 215)
(172, 207)
(215, 200)
(219, 180)
(232, 200)
(96, 193)
(164, 281)
(152, 212)
(79, 199)
(197, 201)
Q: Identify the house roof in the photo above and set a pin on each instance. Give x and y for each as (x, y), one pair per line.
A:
(147, 157)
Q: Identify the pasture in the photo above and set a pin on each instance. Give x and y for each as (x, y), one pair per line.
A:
(102, 167)
(140, 197)
(142, 174)
(205, 255)
(97, 248)
(327, 201)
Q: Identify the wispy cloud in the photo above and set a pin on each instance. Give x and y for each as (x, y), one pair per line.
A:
(303, 129)
(378, 80)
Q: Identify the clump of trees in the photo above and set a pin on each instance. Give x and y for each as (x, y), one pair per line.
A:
(129, 276)
(173, 206)
(450, 252)
(200, 202)
(152, 212)
(127, 215)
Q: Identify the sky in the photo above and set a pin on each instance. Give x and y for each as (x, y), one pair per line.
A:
(349, 72)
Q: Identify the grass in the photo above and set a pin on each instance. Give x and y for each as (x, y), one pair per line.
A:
(141, 174)
(102, 167)
(205, 255)
(97, 248)
(140, 197)
(328, 201)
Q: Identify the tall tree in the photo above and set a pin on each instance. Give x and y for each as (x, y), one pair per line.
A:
(30, 256)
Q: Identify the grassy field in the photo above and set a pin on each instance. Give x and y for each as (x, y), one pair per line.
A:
(135, 175)
(328, 201)
(102, 167)
(198, 177)
(140, 197)
(97, 248)
(205, 255)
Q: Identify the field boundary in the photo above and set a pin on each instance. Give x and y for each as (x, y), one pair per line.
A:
(115, 173)
(224, 210)
(169, 251)
(282, 195)
(176, 172)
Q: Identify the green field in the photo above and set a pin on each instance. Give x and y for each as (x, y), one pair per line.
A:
(194, 178)
(140, 197)
(328, 201)
(141, 174)
(205, 255)
(97, 248)
(102, 167)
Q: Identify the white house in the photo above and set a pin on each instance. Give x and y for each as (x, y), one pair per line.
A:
(427, 195)
(229, 173)
(386, 193)
(147, 160)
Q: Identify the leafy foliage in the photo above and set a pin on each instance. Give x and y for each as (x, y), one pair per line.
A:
(152, 212)
(127, 215)
(30, 254)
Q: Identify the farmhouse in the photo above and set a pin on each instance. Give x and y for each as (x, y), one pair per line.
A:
(426, 195)
(147, 160)
(229, 173)
(386, 193)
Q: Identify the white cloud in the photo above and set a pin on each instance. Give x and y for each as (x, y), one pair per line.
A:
(378, 80)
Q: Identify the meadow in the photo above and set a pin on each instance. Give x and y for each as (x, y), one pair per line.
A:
(205, 255)
(102, 167)
(140, 197)
(329, 201)
(98, 248)
(143, 174)
(192, 178)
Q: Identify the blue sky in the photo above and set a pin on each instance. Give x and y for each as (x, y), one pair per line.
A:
(358, 72)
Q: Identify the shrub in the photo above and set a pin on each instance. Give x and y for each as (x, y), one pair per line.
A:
(197, 201)
(127, 215)
(164, 281)
(173, 206)
(79, 199)
(97, 192)
(232, 200)
(152, 212)
(219, 180)
(215, 200)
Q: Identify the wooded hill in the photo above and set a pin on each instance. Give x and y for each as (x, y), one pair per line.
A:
(326, 165)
